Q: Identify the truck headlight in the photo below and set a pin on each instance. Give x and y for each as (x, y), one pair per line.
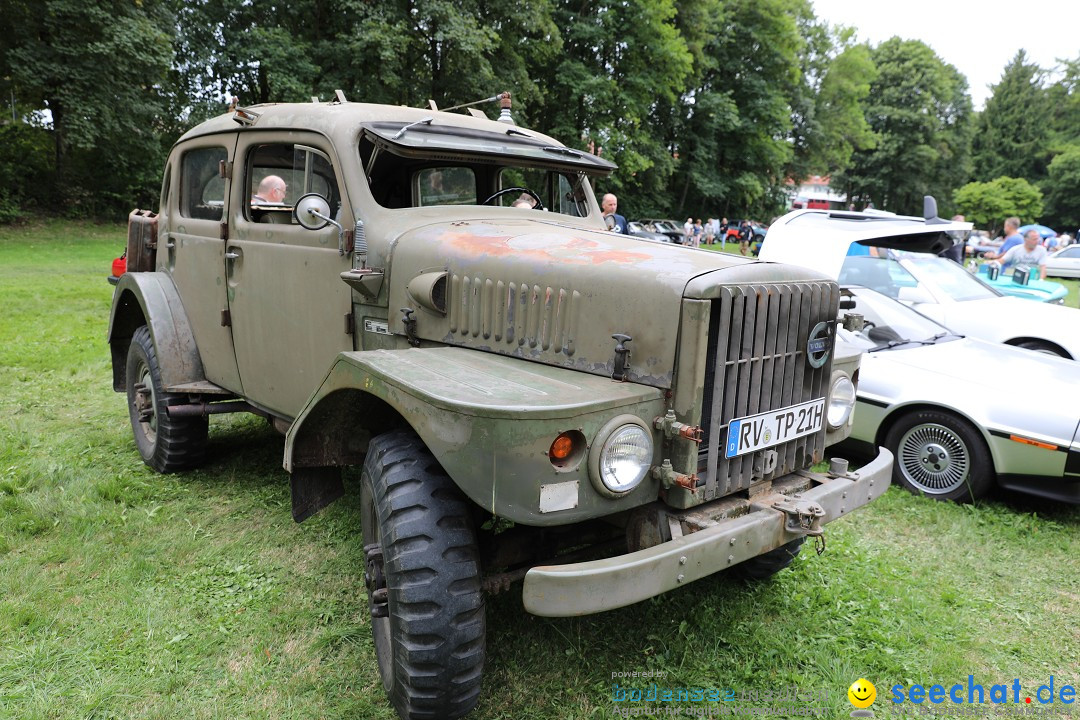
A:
(841, 401)
(621, 456)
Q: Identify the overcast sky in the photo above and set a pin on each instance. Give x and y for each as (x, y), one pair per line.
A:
(977, 37)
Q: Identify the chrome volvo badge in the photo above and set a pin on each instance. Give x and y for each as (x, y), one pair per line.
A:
(817, 346)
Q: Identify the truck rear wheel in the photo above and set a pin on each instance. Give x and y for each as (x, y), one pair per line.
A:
(768, 564)
(422, 572)
(166, 444)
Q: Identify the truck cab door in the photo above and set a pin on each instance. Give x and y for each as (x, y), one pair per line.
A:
(191, 248)
(288, 305)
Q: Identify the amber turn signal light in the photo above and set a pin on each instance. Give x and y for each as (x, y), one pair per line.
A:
(566, 448)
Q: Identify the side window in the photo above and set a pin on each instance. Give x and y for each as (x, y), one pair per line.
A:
(202, 194)
(446, 186)
(280, 173)
(1071, 253)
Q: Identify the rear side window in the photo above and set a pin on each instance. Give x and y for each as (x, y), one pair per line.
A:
(202, 189)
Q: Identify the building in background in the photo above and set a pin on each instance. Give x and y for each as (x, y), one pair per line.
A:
(815, 193)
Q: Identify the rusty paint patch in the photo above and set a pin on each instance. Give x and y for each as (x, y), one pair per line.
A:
(544, 247)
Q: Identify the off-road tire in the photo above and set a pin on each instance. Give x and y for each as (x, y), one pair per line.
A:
(166, 444)
(430, 646)
(768, 564)
(909, 438)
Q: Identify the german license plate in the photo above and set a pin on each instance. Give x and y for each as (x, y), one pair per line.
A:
(756, 432)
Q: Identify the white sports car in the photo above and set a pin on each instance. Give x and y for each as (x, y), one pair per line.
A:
(935, 400)
(1064, 262)
(936, 287)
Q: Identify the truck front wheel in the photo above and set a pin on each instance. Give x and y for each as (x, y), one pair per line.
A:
(166, 444)
(422, 572)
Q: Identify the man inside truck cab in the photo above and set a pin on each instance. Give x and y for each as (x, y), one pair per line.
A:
(271, 191)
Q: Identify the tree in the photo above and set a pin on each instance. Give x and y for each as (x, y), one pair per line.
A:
(989, 203)
(1063, 189)
(621, 71)
(735, 137)
(97, 69)
(838, 103)
(919, 109)
(827, 111)
(1013, 135)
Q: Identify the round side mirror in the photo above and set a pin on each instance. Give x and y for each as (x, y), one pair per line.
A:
(312, 211)
(609, 220)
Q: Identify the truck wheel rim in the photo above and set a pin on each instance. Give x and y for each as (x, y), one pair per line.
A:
(934, 459)
(380, 626)
(146, 400)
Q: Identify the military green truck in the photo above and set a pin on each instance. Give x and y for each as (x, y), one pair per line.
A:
(434, 299)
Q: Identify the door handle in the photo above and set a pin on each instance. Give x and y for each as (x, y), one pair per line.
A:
(231, 255)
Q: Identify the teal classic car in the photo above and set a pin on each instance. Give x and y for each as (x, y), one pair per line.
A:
(1035, 289)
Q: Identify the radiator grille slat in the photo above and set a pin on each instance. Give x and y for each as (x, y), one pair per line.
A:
(757, 362)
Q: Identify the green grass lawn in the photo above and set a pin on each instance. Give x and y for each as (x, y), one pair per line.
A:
(126, 594)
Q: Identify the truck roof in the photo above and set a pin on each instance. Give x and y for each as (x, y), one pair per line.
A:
(424, 129)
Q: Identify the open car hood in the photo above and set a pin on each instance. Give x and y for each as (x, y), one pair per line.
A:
(820, 239)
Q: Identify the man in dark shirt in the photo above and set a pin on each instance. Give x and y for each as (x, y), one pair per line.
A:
(609, 205)
(956, 252)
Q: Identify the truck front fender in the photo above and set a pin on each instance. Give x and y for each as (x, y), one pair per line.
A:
(488, 419)
(150, 298)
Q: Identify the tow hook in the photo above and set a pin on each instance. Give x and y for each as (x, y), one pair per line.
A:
(374, 581)
(804, 518)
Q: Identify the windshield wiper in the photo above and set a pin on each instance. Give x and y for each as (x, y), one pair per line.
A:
(562, 150)
(402, 131)
(896, 343)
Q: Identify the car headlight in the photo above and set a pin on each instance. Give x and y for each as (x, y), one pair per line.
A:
(622, 454)
(841, 401)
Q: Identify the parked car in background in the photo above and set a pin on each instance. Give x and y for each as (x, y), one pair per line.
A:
(758, 230)
(954, 438)
(1064, 263)
(637, 230)
(938, 288)
(672, 228)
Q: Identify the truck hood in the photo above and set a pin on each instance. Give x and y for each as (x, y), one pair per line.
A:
(553, 293)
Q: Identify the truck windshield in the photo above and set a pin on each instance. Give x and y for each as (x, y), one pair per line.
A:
(433, 169)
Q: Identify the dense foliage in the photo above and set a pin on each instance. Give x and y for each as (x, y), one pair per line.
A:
(709, 107)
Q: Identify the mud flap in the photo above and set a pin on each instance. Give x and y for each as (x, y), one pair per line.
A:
(313, 488)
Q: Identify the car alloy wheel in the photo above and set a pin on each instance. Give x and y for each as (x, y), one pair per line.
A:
(934, 459)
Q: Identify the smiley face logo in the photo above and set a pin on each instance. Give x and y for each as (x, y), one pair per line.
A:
(862, 693)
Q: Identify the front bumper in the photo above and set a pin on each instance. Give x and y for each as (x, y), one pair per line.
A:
(598, 585)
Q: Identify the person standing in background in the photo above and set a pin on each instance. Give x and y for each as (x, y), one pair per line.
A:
(609, 205)
(1012, 238)
(956, 252)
